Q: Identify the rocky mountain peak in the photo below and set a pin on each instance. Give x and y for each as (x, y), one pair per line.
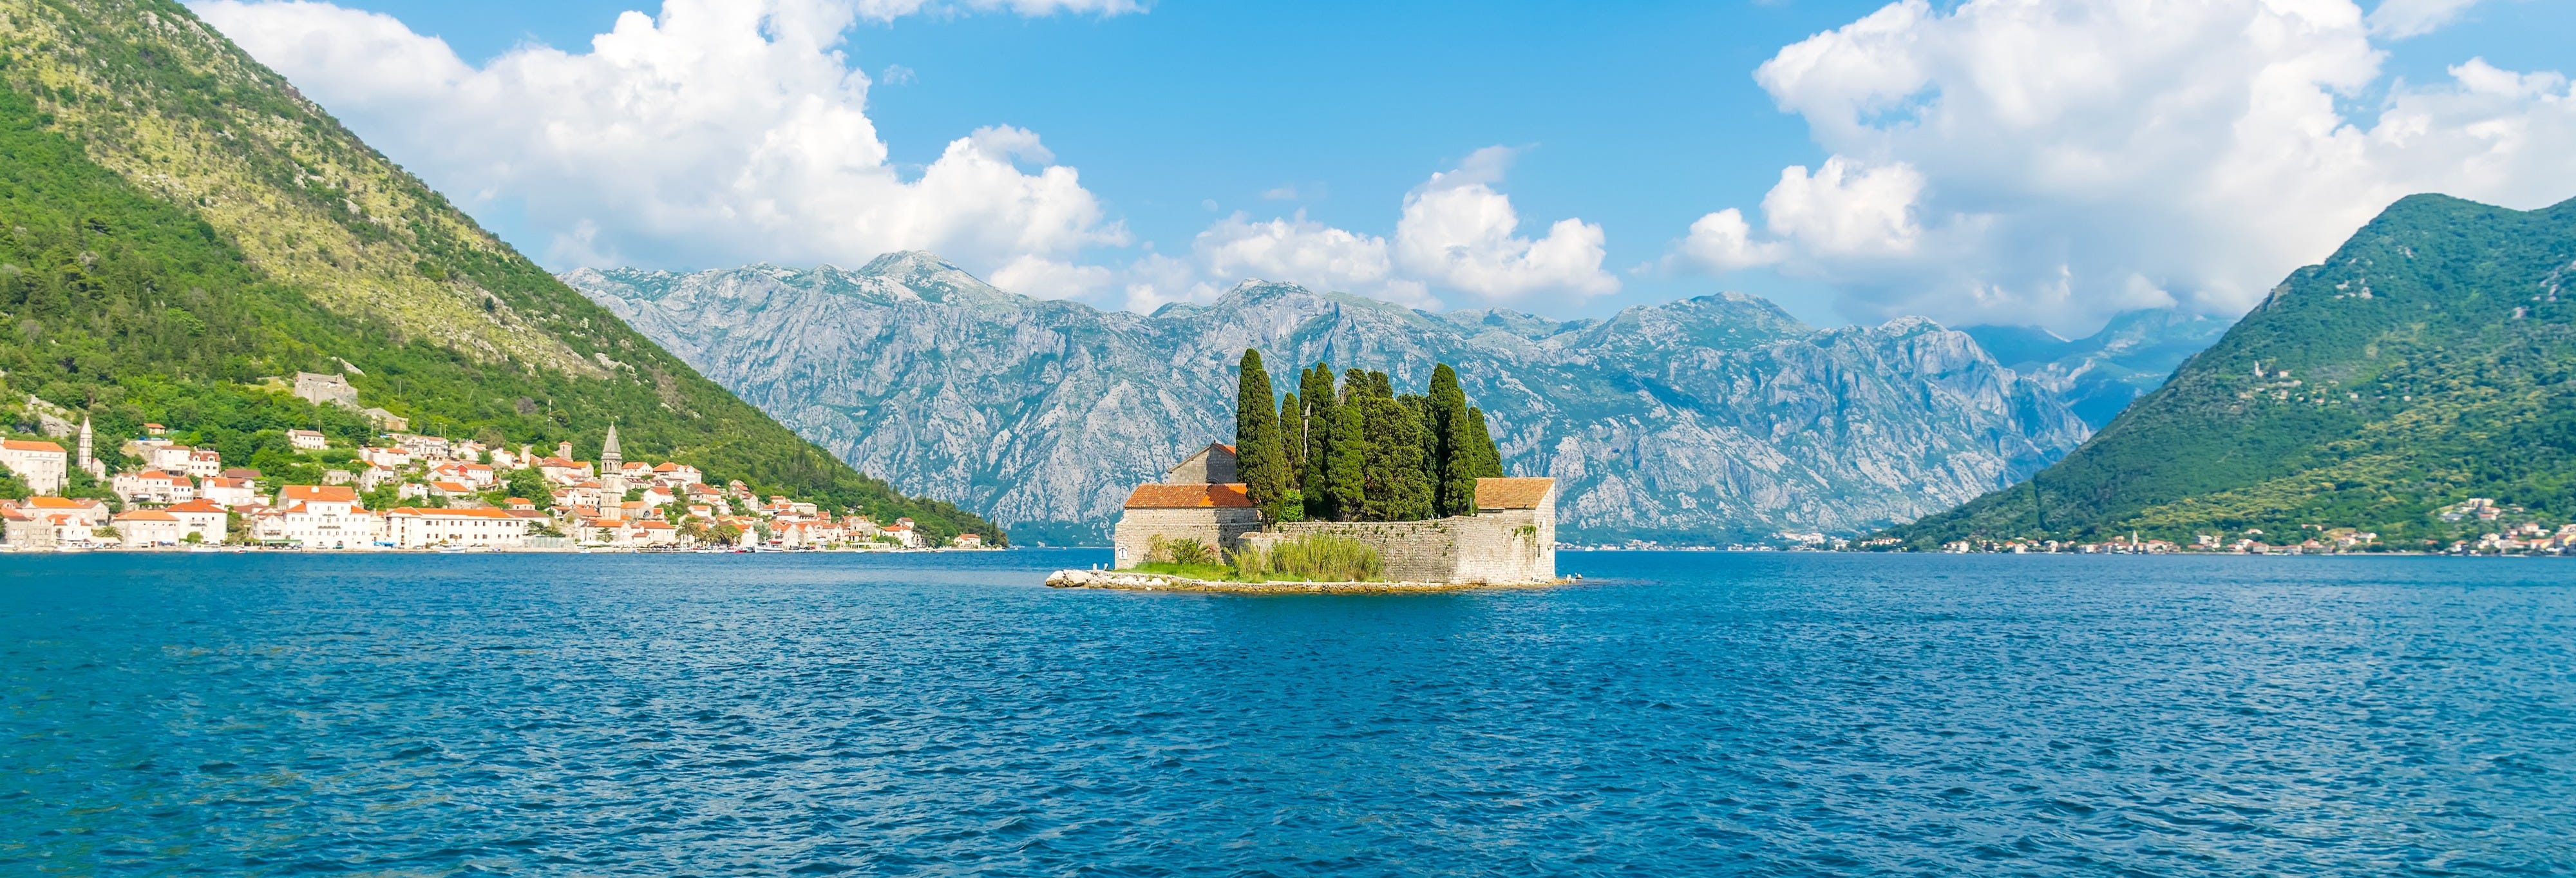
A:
(1711, 419)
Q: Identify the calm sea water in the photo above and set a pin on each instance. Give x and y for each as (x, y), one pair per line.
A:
(1677, 714)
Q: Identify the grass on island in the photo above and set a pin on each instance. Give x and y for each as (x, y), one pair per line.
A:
(1317, 558)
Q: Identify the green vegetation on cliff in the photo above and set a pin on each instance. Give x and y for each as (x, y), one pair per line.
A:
(2432, 359)
(177, 226)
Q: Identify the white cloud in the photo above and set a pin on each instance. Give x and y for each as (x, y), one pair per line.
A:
(718, 133)
(1845, 209)
(1457, 232)
(1723, 241)
(1307, 253)
(2399, 19)
(1157, 280)
(2024, 161)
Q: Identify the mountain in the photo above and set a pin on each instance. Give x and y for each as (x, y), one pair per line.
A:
(178, 227)
(2431, 360)
(1714, 419)
(2099, 375)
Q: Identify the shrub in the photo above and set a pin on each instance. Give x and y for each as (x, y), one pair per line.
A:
(1187, 553)
(1315, 558)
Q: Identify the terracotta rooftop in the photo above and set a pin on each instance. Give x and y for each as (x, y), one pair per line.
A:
(24, 445)
(320, 493)
(1190, 497)
(197, 506)
(1512, 493)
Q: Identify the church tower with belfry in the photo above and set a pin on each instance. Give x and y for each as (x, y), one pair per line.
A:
(89, 462)
(612, 467)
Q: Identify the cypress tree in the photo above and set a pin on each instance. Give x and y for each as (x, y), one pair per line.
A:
(1428, 442)
(1322, 412)
(1256, 438)
(1458, 451)
(1346, 473)
(1292, 441)
(1489, 457)
(1294, 454)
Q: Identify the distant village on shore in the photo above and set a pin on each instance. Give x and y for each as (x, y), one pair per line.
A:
(428, 492)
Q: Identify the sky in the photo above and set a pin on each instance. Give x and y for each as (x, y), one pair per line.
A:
(2042, 162)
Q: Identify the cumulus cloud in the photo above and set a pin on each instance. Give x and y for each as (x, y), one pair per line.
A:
(2021, 161)
(1457, 232)
(720, 132)
(1454, 232)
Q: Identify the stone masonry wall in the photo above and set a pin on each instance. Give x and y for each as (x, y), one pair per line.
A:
(1513, 546)
(1222, 528)
(1203, 469)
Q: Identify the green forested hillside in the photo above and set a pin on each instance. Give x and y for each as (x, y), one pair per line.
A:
(177, 226)
(2432, 359)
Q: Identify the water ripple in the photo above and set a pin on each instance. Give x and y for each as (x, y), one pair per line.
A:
(1679, 714)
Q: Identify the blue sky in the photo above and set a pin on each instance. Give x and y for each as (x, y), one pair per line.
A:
(1637, 118)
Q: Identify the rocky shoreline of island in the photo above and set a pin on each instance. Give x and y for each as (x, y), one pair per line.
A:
(1127, 580)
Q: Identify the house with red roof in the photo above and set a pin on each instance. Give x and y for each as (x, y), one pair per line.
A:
(203, 517)
(44, 466)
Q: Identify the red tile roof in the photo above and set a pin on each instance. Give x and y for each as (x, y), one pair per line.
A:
(24, 445)
(1190, 497)
(198, 506)
(317, 494)
(1512, 493)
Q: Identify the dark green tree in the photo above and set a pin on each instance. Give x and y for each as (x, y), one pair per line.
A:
(1256, 439)
(1322, 412)
(1292, 439)
(1489, 457)
(1457, 450)
(1347, 472)
(1397, 488)
(527, 484)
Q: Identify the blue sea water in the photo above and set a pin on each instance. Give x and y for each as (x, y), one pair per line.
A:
(1674, 714)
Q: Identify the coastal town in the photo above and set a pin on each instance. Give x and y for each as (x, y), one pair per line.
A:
(2495, 528)
(405, 491)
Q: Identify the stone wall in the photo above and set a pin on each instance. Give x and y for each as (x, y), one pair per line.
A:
(1222, 528)
(1511, 546)
(1204, 468)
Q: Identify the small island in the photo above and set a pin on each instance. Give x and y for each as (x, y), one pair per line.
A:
(1342, 489)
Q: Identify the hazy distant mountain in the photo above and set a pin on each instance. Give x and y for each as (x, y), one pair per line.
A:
(1710, 419)
(2100, 374)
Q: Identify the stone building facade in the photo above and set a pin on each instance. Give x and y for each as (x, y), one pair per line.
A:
(325, 389)
(1217, 515)
(1213, 465)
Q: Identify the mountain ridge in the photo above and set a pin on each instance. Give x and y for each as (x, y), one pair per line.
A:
(2429, 361)
(1715, 418)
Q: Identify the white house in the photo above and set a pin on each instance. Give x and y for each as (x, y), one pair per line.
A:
(201, 517)
(229, 492)
(148, 527)
(153, 486)
(410, 528)
(322, 517)
(307, 440)
(42, 465)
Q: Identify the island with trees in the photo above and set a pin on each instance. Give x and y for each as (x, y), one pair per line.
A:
(1346, 485)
